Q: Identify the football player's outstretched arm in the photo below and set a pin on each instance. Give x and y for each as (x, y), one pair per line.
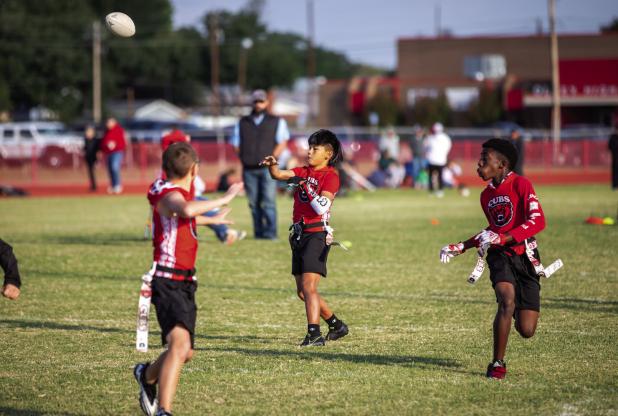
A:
(220, 218)
(174, 203)
(273, 168)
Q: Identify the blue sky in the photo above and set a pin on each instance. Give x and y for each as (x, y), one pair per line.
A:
(367, 30)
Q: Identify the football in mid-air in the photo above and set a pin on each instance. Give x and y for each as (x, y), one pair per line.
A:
(120, 24)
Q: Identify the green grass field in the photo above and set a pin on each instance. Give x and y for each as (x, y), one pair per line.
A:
(420, 336)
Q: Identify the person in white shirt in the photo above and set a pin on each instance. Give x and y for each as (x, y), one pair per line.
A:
(437, 147)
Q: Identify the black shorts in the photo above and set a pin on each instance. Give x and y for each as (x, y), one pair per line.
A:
(520, 272)
(309, 254)
(175, 305)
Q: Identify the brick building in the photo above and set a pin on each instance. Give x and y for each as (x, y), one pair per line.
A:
(518, 67)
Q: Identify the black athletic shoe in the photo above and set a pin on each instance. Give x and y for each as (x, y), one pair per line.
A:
(163, 412)
(317, 341)
(334, 334)
(147, 392)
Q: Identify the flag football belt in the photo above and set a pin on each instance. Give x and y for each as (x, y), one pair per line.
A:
(186, 273)
(314, 226)
(529, 244)
(298, 227)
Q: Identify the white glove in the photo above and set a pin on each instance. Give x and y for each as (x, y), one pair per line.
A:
(450, 251)
(488, 238)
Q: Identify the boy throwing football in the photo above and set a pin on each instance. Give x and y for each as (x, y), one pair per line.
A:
(515, 216)
(175, 216)
(316, 186)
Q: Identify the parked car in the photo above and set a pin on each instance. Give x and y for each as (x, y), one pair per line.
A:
(49, 142)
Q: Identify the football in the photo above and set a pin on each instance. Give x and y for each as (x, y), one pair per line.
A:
(120, 24)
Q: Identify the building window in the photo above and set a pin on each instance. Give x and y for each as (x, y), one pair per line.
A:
(482, 67)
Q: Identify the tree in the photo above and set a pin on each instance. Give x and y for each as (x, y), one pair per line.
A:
(386, 107)
(611, 27)
(43, 51)
(487, 108)
(428, 110)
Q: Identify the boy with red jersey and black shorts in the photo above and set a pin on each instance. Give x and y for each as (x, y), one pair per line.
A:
(316, 186)
(515, 216)
(175, 217)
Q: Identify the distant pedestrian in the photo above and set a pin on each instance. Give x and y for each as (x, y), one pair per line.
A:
(91, 148)
(437, 147)
(518, 141)
(613, 148)
(418, 163)
(256, 136)
(113, 146)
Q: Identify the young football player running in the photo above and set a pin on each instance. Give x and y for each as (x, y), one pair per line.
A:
(316, 186)
(515, 216)
(175, 216)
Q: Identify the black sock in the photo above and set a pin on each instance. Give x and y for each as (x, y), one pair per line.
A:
(334, 322)
(313, 330)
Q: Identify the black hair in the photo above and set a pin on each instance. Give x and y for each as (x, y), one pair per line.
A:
(325, 137)
(506, 149)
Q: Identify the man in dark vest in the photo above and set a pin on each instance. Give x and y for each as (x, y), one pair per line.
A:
(256, 136)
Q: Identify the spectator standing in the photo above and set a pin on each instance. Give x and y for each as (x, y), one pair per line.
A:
(389, 143)
(173, 136)
(91, 148)
(256, 136)
(613, 148)
(437, 147)
(418, 162)
(113, 146)
(518, 141)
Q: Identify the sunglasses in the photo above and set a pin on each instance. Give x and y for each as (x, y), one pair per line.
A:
(258, 101)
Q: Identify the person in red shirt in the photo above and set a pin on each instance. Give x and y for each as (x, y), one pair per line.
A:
(173, 136)
(316, 187)
(515, 215)
(175, 217)
(113, 146)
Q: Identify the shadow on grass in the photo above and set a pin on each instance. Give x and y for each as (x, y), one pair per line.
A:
(91, 239)
(155, 335)
(9, 411)
(587, 305)
(82, 276)
(376, 359)
(436, 298)
(58, 326)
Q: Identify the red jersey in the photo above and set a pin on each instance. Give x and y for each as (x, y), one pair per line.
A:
(173, 137)
(321, 180)
(113, 140)
(513, 208)
(174, 239)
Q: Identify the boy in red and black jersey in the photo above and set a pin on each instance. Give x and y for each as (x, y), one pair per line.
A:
(316, 186)
(515, 216)
(175, 217)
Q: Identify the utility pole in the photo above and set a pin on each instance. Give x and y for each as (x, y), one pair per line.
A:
(96, 71)
(438, 20)
(213, 35)
(311, 87)
(555, 79)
